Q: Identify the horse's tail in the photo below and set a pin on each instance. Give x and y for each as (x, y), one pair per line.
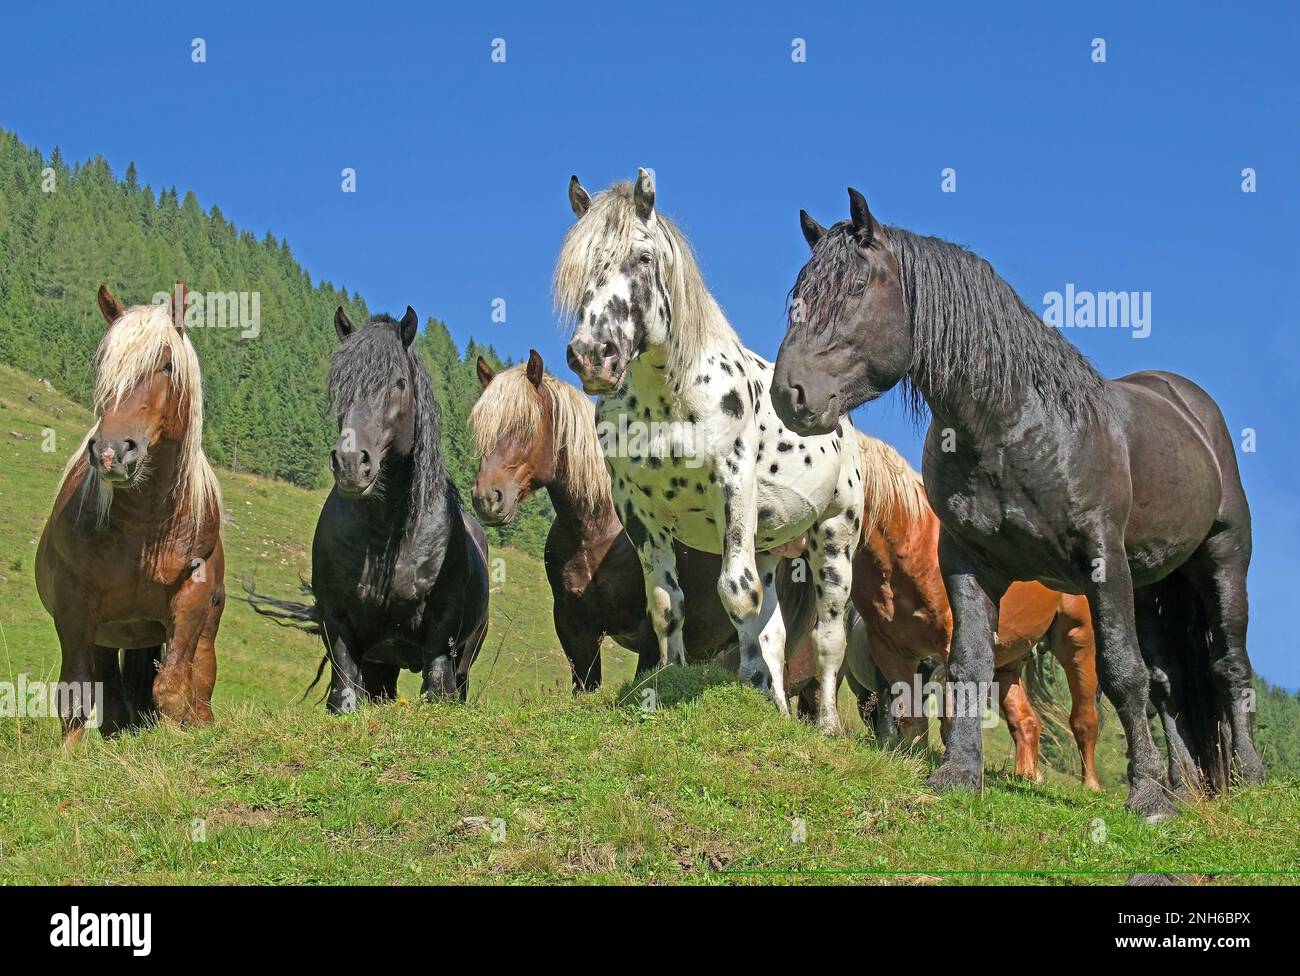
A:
(1042, 683)
(286, 613)
(1182, 668)
(289, 613)
(798, 606)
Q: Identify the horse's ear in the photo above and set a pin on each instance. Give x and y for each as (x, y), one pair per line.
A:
(534, 370)
(579, 198)
(111, 308)
(864, 226)
(180, 301)
(643, 194)
(485, 372)
(342, 324)
(410, 326)
(812, 231)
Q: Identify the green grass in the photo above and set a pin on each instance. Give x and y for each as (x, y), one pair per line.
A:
(710, 787)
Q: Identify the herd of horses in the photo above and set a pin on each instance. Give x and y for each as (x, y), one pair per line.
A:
(710, 505)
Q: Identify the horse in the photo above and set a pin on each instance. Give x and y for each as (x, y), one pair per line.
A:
(705, 462)
(533, 431)
(906, 622)
(130, 560)
(399, 569)
(1125, 491)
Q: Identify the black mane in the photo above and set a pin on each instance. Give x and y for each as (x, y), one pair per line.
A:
(973, 337)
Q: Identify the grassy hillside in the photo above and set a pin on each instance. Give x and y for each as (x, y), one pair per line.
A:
(524, 783)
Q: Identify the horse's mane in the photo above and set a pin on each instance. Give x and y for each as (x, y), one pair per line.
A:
(600, 240)
(973, 334)
(890, 485)
(133, 347)
(364, 366)
(507, 406)
(973, 338)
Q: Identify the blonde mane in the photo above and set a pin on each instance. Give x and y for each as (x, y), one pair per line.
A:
(890, 485)
(507, 406)
(132, 348)
(600, 240)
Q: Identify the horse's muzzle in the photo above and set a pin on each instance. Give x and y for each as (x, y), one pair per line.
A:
(791, 401)
(600, 366)
(115, 460)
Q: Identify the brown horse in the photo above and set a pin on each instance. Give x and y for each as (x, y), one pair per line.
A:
(533, 431)
(899, 594)
(131, 558)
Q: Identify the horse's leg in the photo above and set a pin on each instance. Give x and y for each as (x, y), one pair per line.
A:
(1022, 721)
(581, 646)
(139, 668)
(203, 670)
(830, 562)
(113, 713)
(974, 600)
(739, 586)
(1165, 667)
(379, 681)
(345, 670)
(192, 609)
(663, 595)
(1072, 644)
(1125, 678)
(75, 625)
(1219, 575)
(762, 636)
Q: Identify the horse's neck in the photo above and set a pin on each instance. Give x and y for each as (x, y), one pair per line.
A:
(576, 514)
(153, 501)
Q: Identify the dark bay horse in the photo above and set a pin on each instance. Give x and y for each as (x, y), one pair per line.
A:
(130, 560)
(532, 432)
(399, 570)
(1126, 491)
(906, 622)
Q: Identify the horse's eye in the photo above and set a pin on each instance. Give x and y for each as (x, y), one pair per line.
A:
(167, 367)
(401, 384)
(646, 257)
(858, 287)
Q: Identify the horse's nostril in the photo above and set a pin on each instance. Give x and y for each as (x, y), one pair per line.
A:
(572, 358)
(497, 497)
(334, 461)
(608, 351)
(365, 459)
(128, 447)
(799, 398)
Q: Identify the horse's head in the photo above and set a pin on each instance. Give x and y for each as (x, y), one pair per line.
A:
(145, 378)
(372, 389)
(614, 276)
(514, 430)
(850, 335)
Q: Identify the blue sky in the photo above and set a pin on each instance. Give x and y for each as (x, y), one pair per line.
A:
(1117, 176)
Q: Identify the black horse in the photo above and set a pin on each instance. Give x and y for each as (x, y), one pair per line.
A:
(1039, 468)
(399, 569)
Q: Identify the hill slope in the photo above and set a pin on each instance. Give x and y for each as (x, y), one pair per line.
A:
(707, 788)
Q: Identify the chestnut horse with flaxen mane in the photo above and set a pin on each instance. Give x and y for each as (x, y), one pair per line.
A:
(130, 560)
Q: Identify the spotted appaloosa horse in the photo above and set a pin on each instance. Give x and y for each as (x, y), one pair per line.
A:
(131, 559)
(705, 462)
(1126, 490)
(535, 432)
(903, 612)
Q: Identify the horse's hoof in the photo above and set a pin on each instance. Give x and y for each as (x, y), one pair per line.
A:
(951, 776)
(1151, 801)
